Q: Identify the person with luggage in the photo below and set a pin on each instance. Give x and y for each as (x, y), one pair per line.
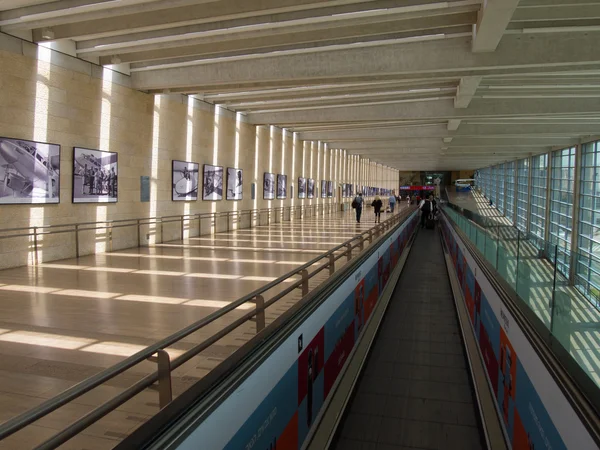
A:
(357, 204)
(377, 205)
(392, 203)
(428, 209)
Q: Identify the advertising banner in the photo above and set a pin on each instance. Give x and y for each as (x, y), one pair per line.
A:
(534, 410)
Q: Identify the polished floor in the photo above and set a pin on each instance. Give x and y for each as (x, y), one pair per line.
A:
(64, 321)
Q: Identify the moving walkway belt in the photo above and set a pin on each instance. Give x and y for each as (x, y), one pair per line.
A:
(415, 389)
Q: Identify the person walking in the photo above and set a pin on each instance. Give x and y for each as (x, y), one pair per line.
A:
(357, 204)
(428, 209)
(392, 203)
(377, 205)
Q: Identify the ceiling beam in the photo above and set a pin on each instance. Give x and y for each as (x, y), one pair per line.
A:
(435, 58)
(179, 16)
(466, 90)
(493, 20)
(435, 110)
(331, 27)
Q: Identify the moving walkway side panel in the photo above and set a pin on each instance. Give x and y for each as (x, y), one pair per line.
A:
(276, 403)
(534, 410)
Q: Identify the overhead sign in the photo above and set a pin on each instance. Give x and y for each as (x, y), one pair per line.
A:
(418, 188)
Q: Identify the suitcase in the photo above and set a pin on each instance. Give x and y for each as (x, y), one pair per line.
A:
(430, 223)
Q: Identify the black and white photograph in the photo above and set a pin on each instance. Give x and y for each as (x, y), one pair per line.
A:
(29, 172)
(212, 188)
(281, 186)
(350, 190)
(269, 186)
(330, 189)
(234, 184)
(344, 190)
(95, 176)
(323, 189)
(310, 191)
(185, 180)
(301, 187)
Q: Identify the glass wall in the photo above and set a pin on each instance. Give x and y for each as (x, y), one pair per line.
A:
(492, 194)
(509, 177)
(587, 269)
(500, 194)
(561, 206)
(522, 193)
(539, 184)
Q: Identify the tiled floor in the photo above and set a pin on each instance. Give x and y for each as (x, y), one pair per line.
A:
(65, 321)
(415, 391)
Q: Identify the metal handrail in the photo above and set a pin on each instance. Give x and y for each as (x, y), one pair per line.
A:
(276, 212)
(165, 366)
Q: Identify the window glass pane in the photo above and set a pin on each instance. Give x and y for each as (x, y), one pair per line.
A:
(523, 193)
(539, 170)
(588, 241)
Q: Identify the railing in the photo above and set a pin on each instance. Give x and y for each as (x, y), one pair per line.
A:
(228, 219)
(298, 278)
(530, 266)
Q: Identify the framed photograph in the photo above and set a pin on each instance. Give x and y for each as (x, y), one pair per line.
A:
(269, 186)
(281, 186)
(212, 187)
(350, 190)
(95, 176)
(310, 192)
(29, 172)
(235, 188)
(185, 181)
(330, 189)
(301, 187)
(323, 189)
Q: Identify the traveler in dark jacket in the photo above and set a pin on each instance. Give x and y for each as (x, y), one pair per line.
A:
(357, 203)
(428, 209)
(377, 204)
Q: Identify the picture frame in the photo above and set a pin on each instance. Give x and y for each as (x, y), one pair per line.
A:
(184, 178)
(235, 184)
(323, 189)
(301, 187)
(212, 182)
(310, 190)
(281, 186)
(95, 176)
(29, 172)
(268, 186)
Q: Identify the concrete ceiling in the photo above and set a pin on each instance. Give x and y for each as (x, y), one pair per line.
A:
(413, 84)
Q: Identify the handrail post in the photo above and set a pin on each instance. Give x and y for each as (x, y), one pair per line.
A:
(35, 246)
(259, 300)
(110, 237)
(214, 223)
(331, 264)
(162, 238)
(362, 242)
(348, 252)
(370, 236)
(304, 282)
(139, 234)
(182, 227)
(228, 219)
(165, 392)
(77, 241)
